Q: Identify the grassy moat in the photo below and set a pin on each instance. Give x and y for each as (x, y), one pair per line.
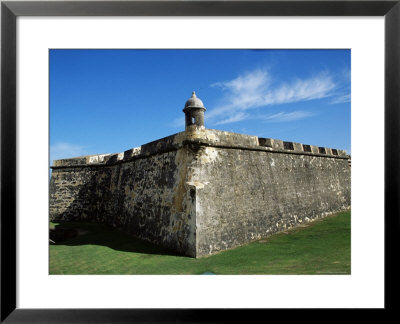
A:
(320, 247)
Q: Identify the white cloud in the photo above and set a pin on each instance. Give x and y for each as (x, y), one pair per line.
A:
(273, 118)
(66, 150)
(178, 122)
(248, 88)
(287, 117)
(301, 90)
(239, 116)
(255, 90)
(244, 92)
(341, 99)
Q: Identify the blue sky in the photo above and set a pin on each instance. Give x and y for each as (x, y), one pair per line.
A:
(108, 101)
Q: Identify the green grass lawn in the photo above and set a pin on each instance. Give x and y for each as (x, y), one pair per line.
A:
(322, 247)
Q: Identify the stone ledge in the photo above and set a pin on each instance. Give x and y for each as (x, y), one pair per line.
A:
(114, 161)
(198, 142)
(202, 137)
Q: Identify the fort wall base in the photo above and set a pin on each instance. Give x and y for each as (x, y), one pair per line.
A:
(202, 191)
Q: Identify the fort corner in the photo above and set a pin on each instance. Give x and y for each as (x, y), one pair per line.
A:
(202, 190)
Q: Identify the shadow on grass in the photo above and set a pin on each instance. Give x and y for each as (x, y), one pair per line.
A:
(76, 234)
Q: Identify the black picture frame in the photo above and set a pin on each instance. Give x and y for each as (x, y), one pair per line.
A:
(10, 10)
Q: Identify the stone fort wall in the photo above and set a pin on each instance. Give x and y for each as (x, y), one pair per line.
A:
(202, 191)
(141, 192)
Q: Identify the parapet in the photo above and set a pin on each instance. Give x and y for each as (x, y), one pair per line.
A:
(300, 148)
(165, 144)
(230, 140)
(87, 159)
(203, 137)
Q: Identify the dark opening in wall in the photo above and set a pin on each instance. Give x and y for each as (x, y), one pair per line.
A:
(334, 152)
(192, 193)
(265, 142)
(321, 150)
(306, 148)
(111, 159)
(288, 146)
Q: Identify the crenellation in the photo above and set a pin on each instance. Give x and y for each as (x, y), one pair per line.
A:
(298, 147)
(111, 159)
(267, 142)
(128, 154)
(92, 159)
(307, 148)
(277, 144)
(288, 146)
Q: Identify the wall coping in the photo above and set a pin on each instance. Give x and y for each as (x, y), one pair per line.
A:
(261, 148)
(200, 137)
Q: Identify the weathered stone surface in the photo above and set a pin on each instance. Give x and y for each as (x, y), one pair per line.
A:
(246, 195)
(147, 197)
(202, 191)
